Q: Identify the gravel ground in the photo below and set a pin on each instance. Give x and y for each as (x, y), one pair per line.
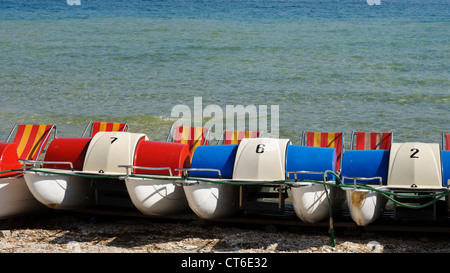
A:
(81, 233)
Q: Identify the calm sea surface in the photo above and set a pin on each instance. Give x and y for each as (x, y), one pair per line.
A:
(329, 65)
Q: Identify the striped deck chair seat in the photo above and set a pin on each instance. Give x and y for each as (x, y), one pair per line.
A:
(446, 141)
(98, 126)
(326, 140)
(371, 141)
(31, 139)
(235, 137)
(192, 136)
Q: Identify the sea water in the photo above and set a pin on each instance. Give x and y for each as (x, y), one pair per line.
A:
(329, 65)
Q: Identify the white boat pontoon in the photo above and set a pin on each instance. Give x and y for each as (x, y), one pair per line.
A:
(76, 171)
(151, 182)
(218, 174)
(309, 167)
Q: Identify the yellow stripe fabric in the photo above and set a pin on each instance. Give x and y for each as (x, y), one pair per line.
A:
(235, 138)
(198, 134)
(102, 126)
(24, 139)
(331, 137)
(116, 126)
(27, 147)
(38, 138)
(317, 138)
(185, 135)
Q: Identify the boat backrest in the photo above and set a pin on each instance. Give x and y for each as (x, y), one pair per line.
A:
(31, 139)
(208, 159)
(94, 127)
(303, 162)
(326, 140)
(365, 167)
(446, 141)
(192, 136)
(235, 137)
(158, 157)
(371, 140)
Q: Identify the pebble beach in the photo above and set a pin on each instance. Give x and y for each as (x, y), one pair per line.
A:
(80, 233)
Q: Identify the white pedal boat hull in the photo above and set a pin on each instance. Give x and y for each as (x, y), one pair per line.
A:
(156, 197)
(310, 201)
(16, 199)
(212, 200)
(365, 206)
(60, 191)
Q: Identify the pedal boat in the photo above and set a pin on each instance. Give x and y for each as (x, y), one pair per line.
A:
(151, 183)
(213, 182)
(72, 167)
(410, 168)
(315, 186)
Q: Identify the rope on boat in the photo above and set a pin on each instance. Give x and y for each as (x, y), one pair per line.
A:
(330, 209)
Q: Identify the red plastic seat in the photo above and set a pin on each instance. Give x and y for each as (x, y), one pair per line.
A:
(326, 140)
(156, 154)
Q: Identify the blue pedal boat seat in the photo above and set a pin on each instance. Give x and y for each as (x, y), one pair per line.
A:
(218, 157)
(310, 162)
(366, 166)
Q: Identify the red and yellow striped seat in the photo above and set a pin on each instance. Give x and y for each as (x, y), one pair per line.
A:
(28, 144)
(371, 141)
(235, 137)
(98, 126)
(192, 136)
(326, 140)
(31, 139)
